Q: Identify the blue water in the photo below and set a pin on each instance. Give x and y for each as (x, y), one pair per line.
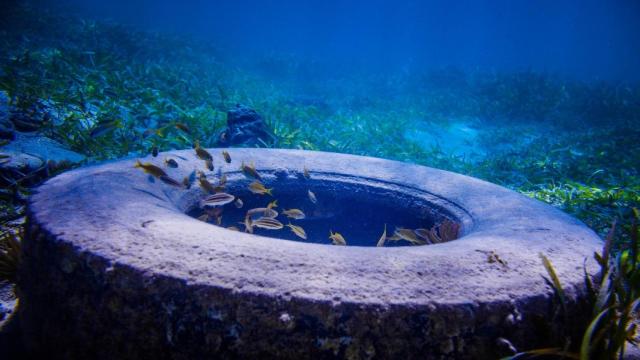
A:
(588, 39)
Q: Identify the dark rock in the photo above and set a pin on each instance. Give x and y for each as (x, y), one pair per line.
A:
(20, 161)
(42, 147)
(245, 127)
(27, 120)
(34, 115)
(28, 154)
(6, 126)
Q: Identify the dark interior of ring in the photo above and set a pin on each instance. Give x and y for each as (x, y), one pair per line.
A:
(358, 212)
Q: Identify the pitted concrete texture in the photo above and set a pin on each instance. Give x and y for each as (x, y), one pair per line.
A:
(115, 269)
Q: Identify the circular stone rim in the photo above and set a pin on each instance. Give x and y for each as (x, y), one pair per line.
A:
(113, 212)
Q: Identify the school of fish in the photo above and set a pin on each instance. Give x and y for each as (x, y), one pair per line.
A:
(266, 217)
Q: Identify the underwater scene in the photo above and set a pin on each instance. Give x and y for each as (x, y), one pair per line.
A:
(319, 179)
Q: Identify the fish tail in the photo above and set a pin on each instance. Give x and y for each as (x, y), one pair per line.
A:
(138, 164)
(268, 191)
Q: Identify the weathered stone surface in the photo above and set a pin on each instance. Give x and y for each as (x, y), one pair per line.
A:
(113, 268)
(245, 127)
(631, 352)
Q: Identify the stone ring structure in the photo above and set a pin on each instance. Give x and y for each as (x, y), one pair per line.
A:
(114, 268)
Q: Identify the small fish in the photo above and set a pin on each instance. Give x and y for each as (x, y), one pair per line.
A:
(383, 237)
(202, 153)
(305, 172)
(238, 203)
(312, 197)
(188, 180)
(105, 127)
(218, 189)
(409, 235)
(264, 212)
(186, 183)
(209, 164)
(234, 228)
(226, 156)
(148, 133)
(294, 214)
(336, 238)
(223, 180)
(171, 163)
(218, 199)
(250, 170)
(273, 204)
(154, 151)
(160, 131)
(394, 237)
(268, 223)
(213, 211)
(206, 185)
(248, 225)
(171, 181)
(298, 230)
(424, 235)
(183, 127)
(257, 187)
(150, 169)
(203, 217)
